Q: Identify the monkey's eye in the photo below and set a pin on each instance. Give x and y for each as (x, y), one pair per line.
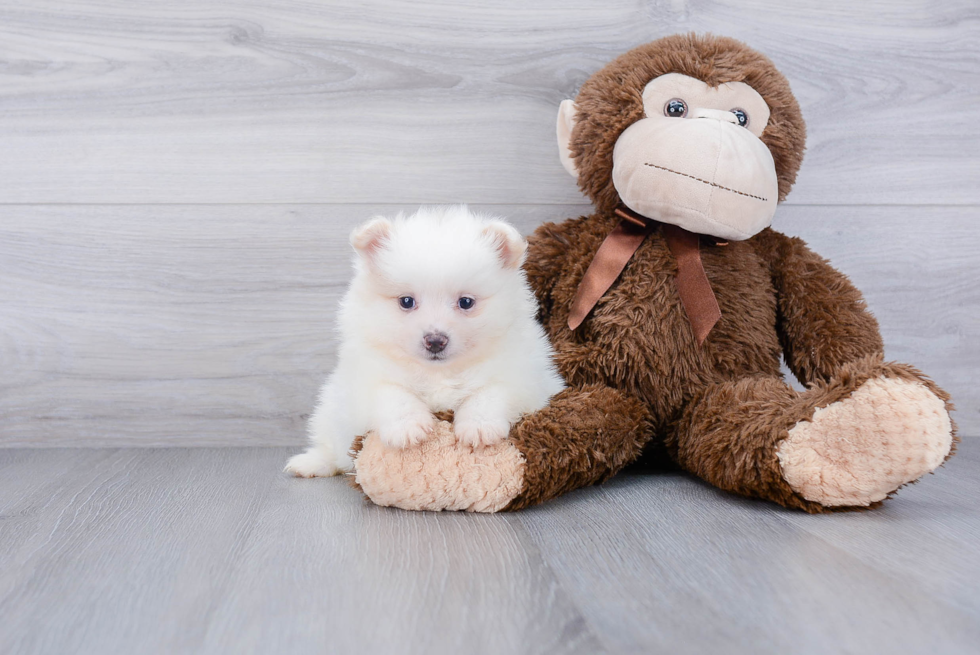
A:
(743, 118)
(675, 108)
(406, 302)
(466, 303)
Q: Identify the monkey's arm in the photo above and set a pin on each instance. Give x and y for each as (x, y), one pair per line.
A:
(547, 253)
(822, 320)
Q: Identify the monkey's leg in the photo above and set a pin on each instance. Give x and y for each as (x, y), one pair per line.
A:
(845, 443)
(583, 437)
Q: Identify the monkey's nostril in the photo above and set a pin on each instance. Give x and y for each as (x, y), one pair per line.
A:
(435, 342)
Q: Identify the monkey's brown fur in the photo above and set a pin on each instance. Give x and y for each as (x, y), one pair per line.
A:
(634, 370)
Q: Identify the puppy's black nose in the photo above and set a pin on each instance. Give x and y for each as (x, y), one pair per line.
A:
(435, 342)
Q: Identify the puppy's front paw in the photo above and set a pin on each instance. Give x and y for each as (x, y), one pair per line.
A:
(407, 431)
(311, 464)
(478, 431)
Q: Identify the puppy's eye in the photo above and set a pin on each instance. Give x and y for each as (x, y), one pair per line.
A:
(466, 303)
(675, 108)
(406, 302)
(743, 118)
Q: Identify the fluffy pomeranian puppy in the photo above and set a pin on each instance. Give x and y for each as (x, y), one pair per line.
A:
(439, 316)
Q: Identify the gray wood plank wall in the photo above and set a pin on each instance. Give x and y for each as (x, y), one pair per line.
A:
(177, 181)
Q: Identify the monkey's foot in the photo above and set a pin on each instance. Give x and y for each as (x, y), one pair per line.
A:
(439, 473)
(856, 451)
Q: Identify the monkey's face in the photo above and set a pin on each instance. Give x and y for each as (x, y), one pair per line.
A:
(695, 158)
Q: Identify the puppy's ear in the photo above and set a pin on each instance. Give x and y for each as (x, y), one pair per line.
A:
(507, 241)
(370, 237)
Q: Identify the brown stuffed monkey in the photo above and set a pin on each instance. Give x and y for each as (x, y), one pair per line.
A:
(669, 309)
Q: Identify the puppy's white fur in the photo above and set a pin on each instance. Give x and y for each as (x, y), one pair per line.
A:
(495, 366)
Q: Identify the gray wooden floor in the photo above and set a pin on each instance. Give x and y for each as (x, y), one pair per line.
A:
(216, 551)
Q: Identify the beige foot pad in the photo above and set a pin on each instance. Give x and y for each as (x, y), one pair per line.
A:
(440, 473)
(860, 449)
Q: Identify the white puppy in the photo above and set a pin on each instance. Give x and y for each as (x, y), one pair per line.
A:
(438, 316)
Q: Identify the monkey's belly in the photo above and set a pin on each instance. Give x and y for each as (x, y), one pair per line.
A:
(639, 339)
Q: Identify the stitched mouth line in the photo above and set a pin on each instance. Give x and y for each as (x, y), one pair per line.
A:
(741, 193)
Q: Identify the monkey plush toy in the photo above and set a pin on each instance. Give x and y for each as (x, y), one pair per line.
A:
(670, 306)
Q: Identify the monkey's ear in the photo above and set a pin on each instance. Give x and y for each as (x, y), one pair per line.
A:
(507, 241)
(566, 123)
(370, 237)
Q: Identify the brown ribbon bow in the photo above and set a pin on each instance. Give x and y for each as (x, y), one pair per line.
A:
(615, 252)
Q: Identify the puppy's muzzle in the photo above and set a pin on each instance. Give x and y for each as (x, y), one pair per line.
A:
(435, 342)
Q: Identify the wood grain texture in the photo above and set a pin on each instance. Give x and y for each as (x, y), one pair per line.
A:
(228, 102)
(216, 551)
(183, 325)
(664, 559)
(945, 512)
